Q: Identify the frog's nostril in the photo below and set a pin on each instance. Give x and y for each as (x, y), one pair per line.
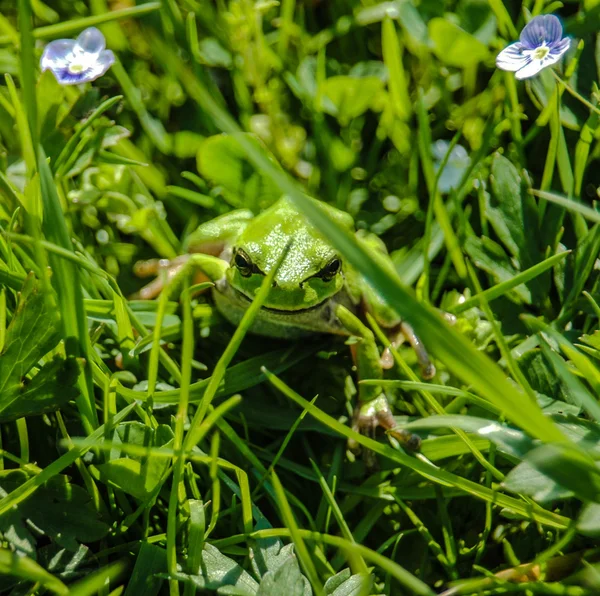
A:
(274, 284)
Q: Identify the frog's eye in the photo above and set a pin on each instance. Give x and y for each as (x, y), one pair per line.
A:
(242, 261)
(330, 270)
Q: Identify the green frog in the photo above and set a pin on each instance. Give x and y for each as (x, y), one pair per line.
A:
(314, 291)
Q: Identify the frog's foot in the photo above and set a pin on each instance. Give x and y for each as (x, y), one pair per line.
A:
(369, 415)
(405, 331)
(163, 269)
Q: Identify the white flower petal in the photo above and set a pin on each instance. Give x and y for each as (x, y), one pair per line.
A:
(512, 58)
(553, 58)
(558, 49)
(104, 61)
(57, 54)
(530, 69)
(91, 41)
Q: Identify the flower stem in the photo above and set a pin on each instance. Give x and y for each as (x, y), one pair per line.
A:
(575, 93)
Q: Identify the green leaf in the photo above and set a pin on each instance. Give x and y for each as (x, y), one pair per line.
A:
(513, 214)
(137, 476)
(588, 522)
(32, 333)
(52, 386)
(221, 574)
(346, 584)
(524, 479)
(572, 469)
(350, 97)
(60, 510)
(150, 562)
(489, 256)
(454, 46)
(286, 577)
(264, 552)
(222, 161)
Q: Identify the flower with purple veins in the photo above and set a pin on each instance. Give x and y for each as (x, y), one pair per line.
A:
(81, 60)
(541, 44)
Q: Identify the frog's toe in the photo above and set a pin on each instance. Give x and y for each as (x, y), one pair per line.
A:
(370, 415)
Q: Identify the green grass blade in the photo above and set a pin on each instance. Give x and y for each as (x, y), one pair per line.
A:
(67, 282)
(504, 287)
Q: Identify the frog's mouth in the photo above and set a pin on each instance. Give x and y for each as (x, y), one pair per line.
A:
(281, 311)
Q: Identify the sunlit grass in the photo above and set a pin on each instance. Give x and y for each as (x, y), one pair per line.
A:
(150, 447)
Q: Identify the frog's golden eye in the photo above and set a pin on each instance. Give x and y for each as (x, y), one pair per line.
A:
(331, 269)
(243, 263)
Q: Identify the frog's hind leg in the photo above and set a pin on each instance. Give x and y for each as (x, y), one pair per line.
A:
(401, 332)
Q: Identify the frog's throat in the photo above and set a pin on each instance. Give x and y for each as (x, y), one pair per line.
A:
(282, 311)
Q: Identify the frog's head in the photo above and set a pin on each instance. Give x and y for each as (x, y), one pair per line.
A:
(310, 273)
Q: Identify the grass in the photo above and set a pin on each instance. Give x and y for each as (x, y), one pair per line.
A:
(149, 447)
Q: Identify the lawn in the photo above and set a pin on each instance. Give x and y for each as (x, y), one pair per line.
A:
(158, 438)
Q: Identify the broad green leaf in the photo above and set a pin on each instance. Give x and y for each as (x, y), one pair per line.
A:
(60, 510)
(350, 96)
(524, 479)
(286, 577)
(220, 574)
(588, 522)
(453, 45)
(150, 562)
(489, 256)
(137, 476)
(32, 333)
(222, 161)
(512, 212)
(346, 584)
(66, 564)
(264, 551)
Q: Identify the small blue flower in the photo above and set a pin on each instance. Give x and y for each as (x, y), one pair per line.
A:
(541, 44)
(80, 60)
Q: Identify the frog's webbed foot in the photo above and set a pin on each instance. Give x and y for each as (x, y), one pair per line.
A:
(369, 416)
(164, 271)
(405, 331)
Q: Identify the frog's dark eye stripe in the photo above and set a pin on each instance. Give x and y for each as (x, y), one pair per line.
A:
(330, 270)
(244, 264)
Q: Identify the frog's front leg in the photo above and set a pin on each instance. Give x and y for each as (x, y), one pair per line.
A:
(169, 273)
(373, 409)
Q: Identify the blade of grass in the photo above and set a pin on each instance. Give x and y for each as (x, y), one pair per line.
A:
(25, 568)
(359, 562)
(76, 25)
(301, 551)
(569, 204)
(504, 287)
(67, 282)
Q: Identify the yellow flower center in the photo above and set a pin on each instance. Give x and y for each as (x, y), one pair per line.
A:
(541, 52)
(76, 68)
